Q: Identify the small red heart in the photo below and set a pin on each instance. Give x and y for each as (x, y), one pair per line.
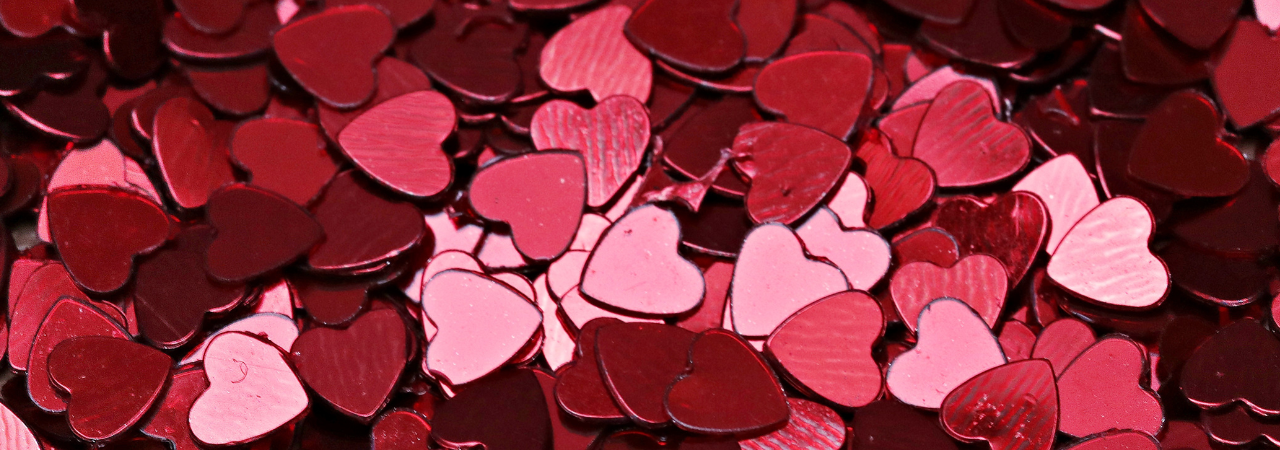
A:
(346, 211)
(400, 429)
(1118, 439)
(773, 279)
(933, 245)
(964, 143)
(611, 137)
(69, 318)
(971, 41)
(979, 281)
(540, 195)
(810, 426)
(482, 323)
(354, 369)
(727, 389)
(900, 186)
(1105, 257)
(51, 58)
(616, 68)
(192, 164)
(580, 388)
(1101, 391)
(1149, 56)
(837, 367)
(397, 143)
(479, 64)
(46, 110)
(1062, 341)
(1010, 406)
(1067, 191)
(332, 53)
(210, 16)
(766, 24)
(1226, 367)
(1011, 228)
(638, 362)
(331, 303)
(257, 232)
(252, 391)
(1017, 339)
(252, 38)
(99, 231)
(129, 30)
(284, 155)
(503, 411)
(395, 78)
(698, 36)
(954, 345)
(17, 436)
(173, 293)
(112, 383)
(169, 421)
(1180, 149)
(824, 90)
(637, 266)
(1245, 226)
(862, 255)
(949, 12)
(791, 167)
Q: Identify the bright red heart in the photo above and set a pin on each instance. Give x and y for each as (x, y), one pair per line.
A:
(954, 345)
(727, 389)
(112, 383)
(612, 138)
(773, 279)
(824, 90)
(1101, 391)
(964, 143)
(482, 323)
(361, 227)
(397, 143)
(99, 231)
(173, 291)
(693, 35)
(637, 266)
(252, 391)
(354, 369)
(1105, 257)
(192, 163)
(1010, 406)
(791, 167)
(837, 367)
(540, 195)
(934, 245)
(900, 186)
(1246, 74)
(30, 303)
(811, 426)
(580, 388)
(1062, 341)
(1180, 149)
(1011, 228)
(332, 53)
(616, 67)
(639, 361)
(69, 318)
(284, 155)
(1067, 191)
(169, 421)
(978, 280)
(257, 232)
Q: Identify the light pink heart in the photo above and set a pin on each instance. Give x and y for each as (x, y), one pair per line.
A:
(637, 266)
(850, 201)
(592, 53)
(252, 391)
(612, 138)
(1106, 258)
(398, 142)
(862, 255)
(773, 279)
(955, 344)
(481, 324)
(1066, 190)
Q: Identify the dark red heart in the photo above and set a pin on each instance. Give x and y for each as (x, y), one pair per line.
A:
(694, 35)
(791, 167)
(56, 56)
(210, 16)
(332, 53)
(540, 195)
(1012, 228)
(362, 228)
(638, 362)
(824, 90)
(169, 421)
(395, 78)
(1149, 56)
(502, 411)
(1180, 149)
(934, 245)
(251, 38)
(29, 302)
(238, 90)
(355, 369)
(112, 383)
(173, 292)
(1245, 76)
(1226, 367)
(479, 65)
(283, 155)
(69, 318)
(192, 160)
(891, 425)
(692, 145)
(400, 429)
(1235, 426)
(99, 231)
(728, 389)
(29, 19)
(580, 387)
(1197, 23)
(257, 232)
(900, 186)
(950, 12)
(972, 40)
(961, 139)
(1244, 226)
(131, 33)
(46, 111)
(331, 302)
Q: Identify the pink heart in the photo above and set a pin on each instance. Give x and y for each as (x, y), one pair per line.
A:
(1061, 342)
(615, 68)
(398, 142)
(837, 367)
(16, 435)
(863, 255)
(955, 344)
(637, 266)
(774, 278)
(540, 195)
(481, 324)
(252, 391)
(849, 203)
(1064, 186)
(978, 280)
(1100, 391)
(1105, 257)
(612, 138)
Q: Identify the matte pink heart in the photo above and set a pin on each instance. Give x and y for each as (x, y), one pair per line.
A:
(1100, 391)
(849, 203)
(592, 53)
(611, 137)
(978, 280)
(955, 344)
(540, 195)
(1105, 257)
(252, 391)
(1064, 186)
(862, 255)
(398, 142)
(637, 266)
(481, 324)
(774, 278)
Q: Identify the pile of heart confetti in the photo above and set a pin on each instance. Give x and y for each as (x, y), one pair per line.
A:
(640, 224)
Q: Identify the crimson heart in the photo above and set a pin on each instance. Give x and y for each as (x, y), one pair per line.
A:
(502, 411)
(693, 35)
(611, 137)
(1180, 149)
(478, 65)
(639, 361)
(169, 421)
(540, 195)
(1235, 426)
(1222, 371)
(397, 143)
(403, 12)
(362, 228)
(112, 383)
(727, 389)
(354, 369)
(173, 292)
(1062, 341)
(30, 300)
(401, 429)
(1012, 228)
(934, 245)
(257, 232)
(100, 230)
(1197, 23)
(616, 68)
(1100, 391)
(1010, 406)
(1245, 76)
(332, 53)
(29, 19)
(824, 90)
(837, 367)
(978, 280)
(329, 302)
(284, 155)
(891, 425)
(68, 318)
(791, 167)
(210, 16)
(964, 143)
(192, 162)
(580, 387)
(901, 186)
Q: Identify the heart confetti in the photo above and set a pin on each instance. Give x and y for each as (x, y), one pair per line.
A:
(611, 137)
(99, 412)
(962, 347)
(424, 119)
(977, 280)
(616, 67)
(78, 218)
(1105, 258)
(728, 389)
(1010, 406)
(461, 304)
(252, 391)
(791, 87)
(354, 36)
(773, 279)
(841, 372)
(771, 154)
(370, 353)
(656, 283)
(1100, 391)
(545, 212)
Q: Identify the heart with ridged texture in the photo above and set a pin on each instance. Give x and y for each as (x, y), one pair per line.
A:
(963, 142)
(370, 353)
(862, 255)
(1010, 406)
(825, 90)
(398, 143)
(615, 66)
(791, 168)
(612, 138)
(977, 280)
(1101, 390)
(837, 367)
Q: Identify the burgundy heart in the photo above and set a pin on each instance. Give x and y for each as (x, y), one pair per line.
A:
(639, 361)
(824, 90)
(210, 16)
(480, 65)
(68, 318)
(693, 35)
(1180, 149)
(53, 57)
(332, 53)
(1245, 75)
(283, 155)
(129, 33)
(1226, 367)
(1010, 406)
(727, 389)
(791, 167)
(977, 280)
(100, 231)
(112, 383)
(169, 421)
(192, 162)
(1197, 23)
(401, 429)
(1012, 228)
(47, 109)
(257, 232)
(580, 388)
(354, 369)
(330, 302)
(900, 185)
(362, 228)
(963, 142)
(888, 424)
(950, 12)
(173, 292)
(540, 195)
(502, 411)
(397, 143)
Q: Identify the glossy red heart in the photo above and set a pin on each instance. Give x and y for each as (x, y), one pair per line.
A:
(611, 137)
(111, 383)
(1105, 258)
(29, 19)
(1221, 371)
(580, 388)
(638, 362)
(862, 255)
(1067, 191)
(403, 12)
(99, 231)
(100, 165)
(69, 318)
(1235, 426)
(252, 391)
(791, 167)
(977, 280)
(173, 292)
(766, 24)
(284, 155)
(810, 426)
(900, 186)
(637, 266)
(128, 30)
(46, 110)
(401, 429)
(823, 90)
(1017, 339)
(954, 345)
(169, 421)
(950, 12)
(963, 142)
(540, 195)
(482, 323)
(346, 211)
(257, 232)
(354, 369)
(836, 367)
(1101, 390)
(727, 389)
(934, 245)
(1010, 406)
(1244, 74)
(397, 143)
(50, 58)
(251, 38)
(1180, 149)
(395, 78)
(193, 165)
(692, 146)
(698, 36)
(30, 300)
(616, 68)
(332, 53)
(773, 279)
(479, 65)
(503, 411)
(970, 41)
(1062, 341)
(1012, 228)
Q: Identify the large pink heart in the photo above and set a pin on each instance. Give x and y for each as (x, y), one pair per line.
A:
(637, 266)
(481, 324)
(615, 68)
(1105, 258)
(955, 344)
(862, 255)
(1100, 391)
(612, 138)
(398, 142)
(774, 278)
(252, 391)
(540, 195)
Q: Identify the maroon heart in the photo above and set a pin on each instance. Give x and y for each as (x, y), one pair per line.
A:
(824, 90)
(332, 53)
(173, 293)
(169, 421)
(403, 12)
(580, 387)
(46, 111)
(238, 90)
(192, 162)
(112, 383)
(53, 57)
(286, 156)
(1245, 226)
(639, 361)
(480, 64)
(1245, 77)
(1180, 149)
(210, 16)
(100, 230)
(1012, 228)
(362, 228)
(901, 186)
(354, 369)
(692, 144)
(252, 38)
(540, 195)
(972, 39)
(791, 167)
(727, 389)
(934, 245)
(257, 232)
(502, 411)
(130, 33)
(401, 429)
(949, 12)
(1149, 56)
(330, 302)
(891, 425)
(1226, 367)
(694, 35)
(1197, 23)
(395, 78)
(69, 318)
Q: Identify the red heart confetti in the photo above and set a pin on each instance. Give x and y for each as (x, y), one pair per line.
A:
(639, 362)
(252, 391)
(169, 422)
(679, 31)
(462, 305)
(977, 280)
(173, 292)
(106, 397)
(901, 186)
(134, 224)
(1105, 258)
(1011, 228)
(962, 347)
(345, 212)
(519, 423)
(68, 319)
(1066, 190)
(424, 119)
(842, 372)
(16, 434)
(727, 389)
(1062, 341)
(1179, 150)
(1100, 391)
(616, 68)
(580, 388)
(811, 425)
(1244, 65)
(611, 137)
(370, 353)
(285, 156)
(1010, 406)
(184, 144)
(355, 37)
(1220, 371)
(771, 154)
(963, 142)
(862, 255)
(545, 210)
(245, 217)
(824, 90)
